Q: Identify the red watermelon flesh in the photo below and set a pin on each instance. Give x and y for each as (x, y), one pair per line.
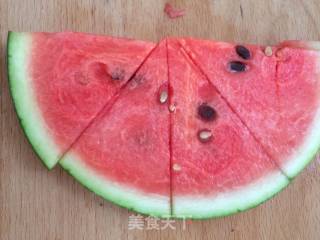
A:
(298, 90)
(277, 97)
(232, 159)
(128, 144)
(73, 75)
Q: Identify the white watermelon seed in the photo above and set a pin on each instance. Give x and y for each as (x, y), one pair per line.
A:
(176, 167)
(172, 108)
(205, 135)
(163, 97)
(268, 51)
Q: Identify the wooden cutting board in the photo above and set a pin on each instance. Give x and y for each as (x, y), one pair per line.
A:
(38, 204)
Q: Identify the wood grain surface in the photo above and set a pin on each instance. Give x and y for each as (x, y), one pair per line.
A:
(38, 204)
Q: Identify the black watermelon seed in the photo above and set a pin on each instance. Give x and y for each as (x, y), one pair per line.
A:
(237, 66)
(243, 52)
(206, 112)
(118, 75)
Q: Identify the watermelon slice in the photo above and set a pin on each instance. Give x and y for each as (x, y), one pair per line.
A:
(185, 128)
(60, 82)
(124, 155)
(276, 96)
(221, 173)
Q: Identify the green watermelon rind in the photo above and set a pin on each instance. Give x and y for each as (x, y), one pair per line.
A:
(225, 204)
(34, 127)
(31, 121)
(257, 193)
(308, 150)
(125, 196)
(210, 206)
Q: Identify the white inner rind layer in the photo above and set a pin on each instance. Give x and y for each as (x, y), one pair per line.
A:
(126, 196)
(310, 146)
(22, 91)
(223, 204)
(306, 152)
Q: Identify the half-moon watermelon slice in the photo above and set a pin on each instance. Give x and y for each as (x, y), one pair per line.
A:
(59, 83)
(276, 94)
(186, 128)
(124, 155)
(218, 166)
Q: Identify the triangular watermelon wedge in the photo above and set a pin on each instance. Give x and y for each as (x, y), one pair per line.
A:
(60, 82)
(276, 94)
(224, 171)
(124, 155)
